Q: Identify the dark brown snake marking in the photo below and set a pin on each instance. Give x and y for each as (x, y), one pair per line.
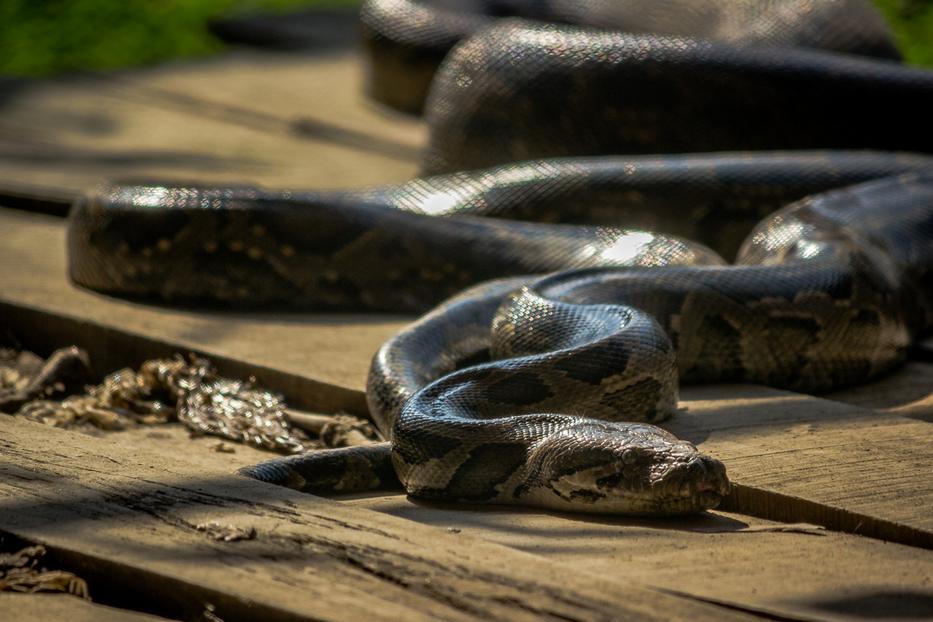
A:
(541, 408)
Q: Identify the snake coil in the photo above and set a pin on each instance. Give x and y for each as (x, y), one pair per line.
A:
(542, 386)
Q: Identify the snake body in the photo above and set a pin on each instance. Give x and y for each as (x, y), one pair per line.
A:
(582, 91)
(406, 40)
(386, 249)
(543, 390)
(827, 292)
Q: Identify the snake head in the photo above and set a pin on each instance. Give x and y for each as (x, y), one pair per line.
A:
(622, 468)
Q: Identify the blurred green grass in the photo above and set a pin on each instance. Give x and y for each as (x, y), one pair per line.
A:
(47, 37)
(912, 22)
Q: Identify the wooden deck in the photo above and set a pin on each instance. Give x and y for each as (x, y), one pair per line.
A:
(831, 519)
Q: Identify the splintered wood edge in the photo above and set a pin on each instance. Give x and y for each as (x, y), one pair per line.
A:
(142, 525)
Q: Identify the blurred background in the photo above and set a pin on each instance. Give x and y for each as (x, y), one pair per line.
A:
(49, 37)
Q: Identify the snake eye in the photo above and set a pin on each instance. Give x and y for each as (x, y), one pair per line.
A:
(629, 457)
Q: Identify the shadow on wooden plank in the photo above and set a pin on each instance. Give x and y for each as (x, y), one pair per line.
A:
(907, 392)
(148, 526)
(802, 458)
(892, 604)
(775, 506)
(295, 121)
(776, 569)
(303, 127)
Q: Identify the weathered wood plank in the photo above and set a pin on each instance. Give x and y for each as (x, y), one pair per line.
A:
(151, 528)
(908, 393)
(801, 458)
(45, 607)
(788, 570)
(295, 121)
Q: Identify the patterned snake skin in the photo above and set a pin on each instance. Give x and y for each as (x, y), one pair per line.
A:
(541, 390)
(387, 250)
(577, 91)
(406, 40)
(827, 292)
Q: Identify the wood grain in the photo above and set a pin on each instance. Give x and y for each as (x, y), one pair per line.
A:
(788, 570)
(45, 607)
(794, 571)
(801, 458)
(153, 527)
(907, 392)
(791, 569)
(286, 121)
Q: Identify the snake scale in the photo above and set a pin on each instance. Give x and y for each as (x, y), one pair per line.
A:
(564, 325)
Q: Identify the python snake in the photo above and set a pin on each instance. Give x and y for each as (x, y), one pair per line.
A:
(541, 390)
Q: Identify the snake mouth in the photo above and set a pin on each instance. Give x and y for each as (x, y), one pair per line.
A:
(700, 483)
(708, 500)
(699, 497)
(719, 487)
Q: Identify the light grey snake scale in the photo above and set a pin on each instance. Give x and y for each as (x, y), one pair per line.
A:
(541, 386)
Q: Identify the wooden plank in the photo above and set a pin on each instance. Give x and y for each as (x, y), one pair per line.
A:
(45, 607)
(801, 458)
(156, 531)
(319, 360)
(790, 571)
(785, 570)
(291, 121)
(908, 393)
